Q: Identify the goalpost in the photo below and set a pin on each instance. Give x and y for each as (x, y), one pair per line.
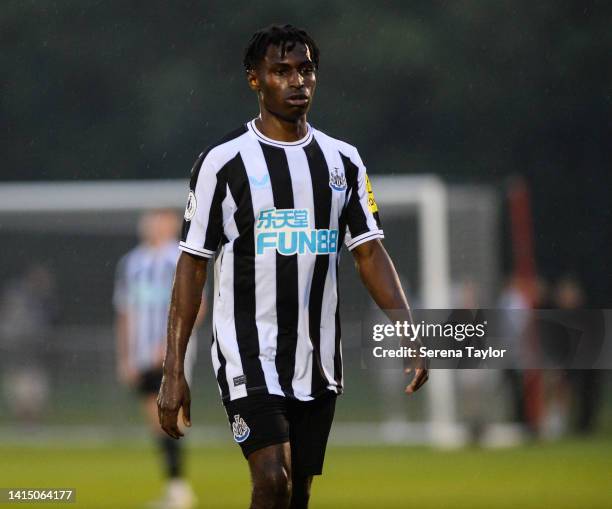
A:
(112, 206)
(427, 194)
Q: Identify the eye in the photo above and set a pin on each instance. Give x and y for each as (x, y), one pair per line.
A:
(307, 70)
(279, 72)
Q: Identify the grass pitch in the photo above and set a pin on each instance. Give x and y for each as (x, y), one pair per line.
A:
(569, 474)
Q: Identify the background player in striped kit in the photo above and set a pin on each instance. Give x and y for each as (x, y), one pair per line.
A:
(276, 199)
(141, 299)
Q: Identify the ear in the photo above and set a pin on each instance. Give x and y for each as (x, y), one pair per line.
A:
(252, 80)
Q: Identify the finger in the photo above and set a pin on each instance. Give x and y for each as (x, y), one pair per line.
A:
(159, 411)
(160, 417)
(420, 377)
(187, 413)
(172, 431)
(170, 424)
(421, 380)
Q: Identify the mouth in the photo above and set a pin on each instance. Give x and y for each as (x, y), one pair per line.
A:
(298, 100)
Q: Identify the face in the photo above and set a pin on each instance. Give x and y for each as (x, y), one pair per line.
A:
(285, 84)
(157, 227)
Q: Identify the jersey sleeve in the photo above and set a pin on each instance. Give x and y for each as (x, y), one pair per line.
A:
(203, 220)
(362, 217)
(120, 289)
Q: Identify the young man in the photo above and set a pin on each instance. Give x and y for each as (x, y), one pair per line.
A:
(278, 198)
(141, 298)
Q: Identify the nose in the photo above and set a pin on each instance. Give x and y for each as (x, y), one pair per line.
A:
(296, 79)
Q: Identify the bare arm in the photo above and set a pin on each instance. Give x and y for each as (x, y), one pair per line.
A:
(125, 373)
(201, 312)
(186, 300)
(380, 278)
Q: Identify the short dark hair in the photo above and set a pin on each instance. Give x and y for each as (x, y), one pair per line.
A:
(285, 36)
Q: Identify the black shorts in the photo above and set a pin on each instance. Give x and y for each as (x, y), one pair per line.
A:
(260, 420)
(149, 381)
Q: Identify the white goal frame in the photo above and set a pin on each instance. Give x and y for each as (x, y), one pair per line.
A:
(427, 193)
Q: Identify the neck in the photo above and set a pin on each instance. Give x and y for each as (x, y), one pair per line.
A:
(154, 243)
(280, 129)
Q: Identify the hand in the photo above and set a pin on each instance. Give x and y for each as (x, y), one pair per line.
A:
(420, 365)
(174, 395)
(421, 375)
(127, 375)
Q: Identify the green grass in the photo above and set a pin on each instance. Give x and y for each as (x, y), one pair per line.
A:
(570, 474)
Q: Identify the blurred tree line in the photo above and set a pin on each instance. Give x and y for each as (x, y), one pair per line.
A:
(468, 89)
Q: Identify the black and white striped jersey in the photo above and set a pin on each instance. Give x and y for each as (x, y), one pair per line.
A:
(277, 213)
(143, 286)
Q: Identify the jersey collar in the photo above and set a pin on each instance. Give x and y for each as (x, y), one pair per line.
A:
(264, 139)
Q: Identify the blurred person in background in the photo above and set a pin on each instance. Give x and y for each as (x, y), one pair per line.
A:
(523, 294)
(28, 311)
(141, 299)
(476, 386)
(515, 300)
(553, 346)
(585, 384)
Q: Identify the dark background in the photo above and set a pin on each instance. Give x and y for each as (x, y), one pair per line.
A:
(474, 91)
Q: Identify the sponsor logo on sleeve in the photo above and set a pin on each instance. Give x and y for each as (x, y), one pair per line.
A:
(371, 201)
(192, 204)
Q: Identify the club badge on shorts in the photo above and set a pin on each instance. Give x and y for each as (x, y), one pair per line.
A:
(240, 429)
